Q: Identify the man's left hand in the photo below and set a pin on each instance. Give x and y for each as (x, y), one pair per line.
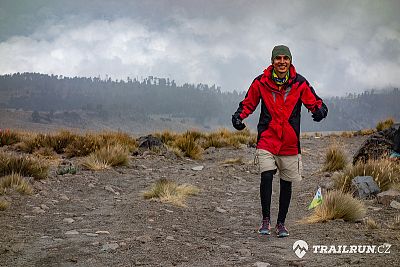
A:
(320, 113)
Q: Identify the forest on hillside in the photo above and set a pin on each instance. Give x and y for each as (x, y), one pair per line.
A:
(207, 105)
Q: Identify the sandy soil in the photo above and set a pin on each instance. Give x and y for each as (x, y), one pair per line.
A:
(218, 228)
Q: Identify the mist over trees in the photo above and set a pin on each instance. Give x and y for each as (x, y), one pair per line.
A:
(207, 105)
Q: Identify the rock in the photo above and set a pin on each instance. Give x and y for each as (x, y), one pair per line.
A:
(170, 238)
(44, 207)
(149, 142)
(220, 210)
(328, 185)
(244, 252)
(38, 210)
(198, 168)
(72, 232)
(261, 264)
(110, 246)
(364, 186)
(110, 189)
(68, 220)
(64, 197)
(90, 234)
(103, 232)
(394, 204)
(225, 247)
(387, 196)
(210, 150)
(91, 185)
(143, 238)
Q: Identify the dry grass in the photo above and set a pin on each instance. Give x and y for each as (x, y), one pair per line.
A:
(175, 150)
(4, 204)
(386, 124)
(364, 132)
(9, 137)
(189, 147)
(385, 173)
(17, 182)
(106, 157)
(23, 165)
(83, 145)
(335, 159)
(169, 191)
(167, 137)
(338, 205)
(371, 223)
(119, 138)
(347, 134)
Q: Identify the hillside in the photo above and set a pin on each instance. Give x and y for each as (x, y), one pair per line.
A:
(132, 103)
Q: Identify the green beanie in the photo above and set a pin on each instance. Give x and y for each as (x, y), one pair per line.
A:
(281, 50)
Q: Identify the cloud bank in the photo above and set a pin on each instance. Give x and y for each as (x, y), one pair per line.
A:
(340, 47)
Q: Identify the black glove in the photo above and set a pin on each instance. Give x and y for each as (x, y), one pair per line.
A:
(320, 113)
(237, 122)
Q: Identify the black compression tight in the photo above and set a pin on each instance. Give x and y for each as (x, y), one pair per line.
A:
(285, 195)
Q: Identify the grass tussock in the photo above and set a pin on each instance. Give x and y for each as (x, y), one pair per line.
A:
(364, 132)
(169, 191)
(386, 174)
(4, 204)
(119, 138)
(335, 159)
(83, 145)
(395, 224)
(16, 182)
(107, 157)
(385, 124)
(23, 165)
(189, 147)
(338, 205)
(9, 137)
(371, 223)
(347, 134)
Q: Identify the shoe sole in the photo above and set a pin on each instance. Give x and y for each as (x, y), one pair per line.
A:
(264, 233)
(281, 236)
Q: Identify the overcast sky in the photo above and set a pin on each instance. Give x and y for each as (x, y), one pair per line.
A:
(339, 46)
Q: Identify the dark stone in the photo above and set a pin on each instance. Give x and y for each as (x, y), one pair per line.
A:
(377, 146)
(364, 186)
(149, 142)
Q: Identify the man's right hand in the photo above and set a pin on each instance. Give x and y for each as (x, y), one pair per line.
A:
(237, 122)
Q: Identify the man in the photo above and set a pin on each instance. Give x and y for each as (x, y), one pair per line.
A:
(282, 91)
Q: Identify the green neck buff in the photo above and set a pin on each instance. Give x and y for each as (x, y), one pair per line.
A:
(280, 81)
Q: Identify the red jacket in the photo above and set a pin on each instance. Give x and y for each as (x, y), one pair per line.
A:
(279, 124)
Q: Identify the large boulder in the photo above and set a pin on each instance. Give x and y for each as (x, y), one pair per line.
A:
(377, 146)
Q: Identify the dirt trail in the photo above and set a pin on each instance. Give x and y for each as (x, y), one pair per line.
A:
(218, 228)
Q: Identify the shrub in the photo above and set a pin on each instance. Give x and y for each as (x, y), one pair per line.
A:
(371, 223)
(386, 124)
(23, 165)
(16, 182)
(83, 145)
(365, 132)
(338, 205)
(335, 159)
(167, 137)
(4, 204)
(119, 138)
(106, 157)
(233, 161)
(169, 191)
(8, 137)
(187, 144)
(214, 140)
(386, 173)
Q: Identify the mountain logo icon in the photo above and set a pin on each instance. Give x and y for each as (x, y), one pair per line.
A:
(300, 248)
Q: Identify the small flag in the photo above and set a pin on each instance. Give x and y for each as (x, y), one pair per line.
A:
(317, 200)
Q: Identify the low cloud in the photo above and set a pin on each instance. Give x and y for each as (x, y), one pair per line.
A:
(344, 51)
